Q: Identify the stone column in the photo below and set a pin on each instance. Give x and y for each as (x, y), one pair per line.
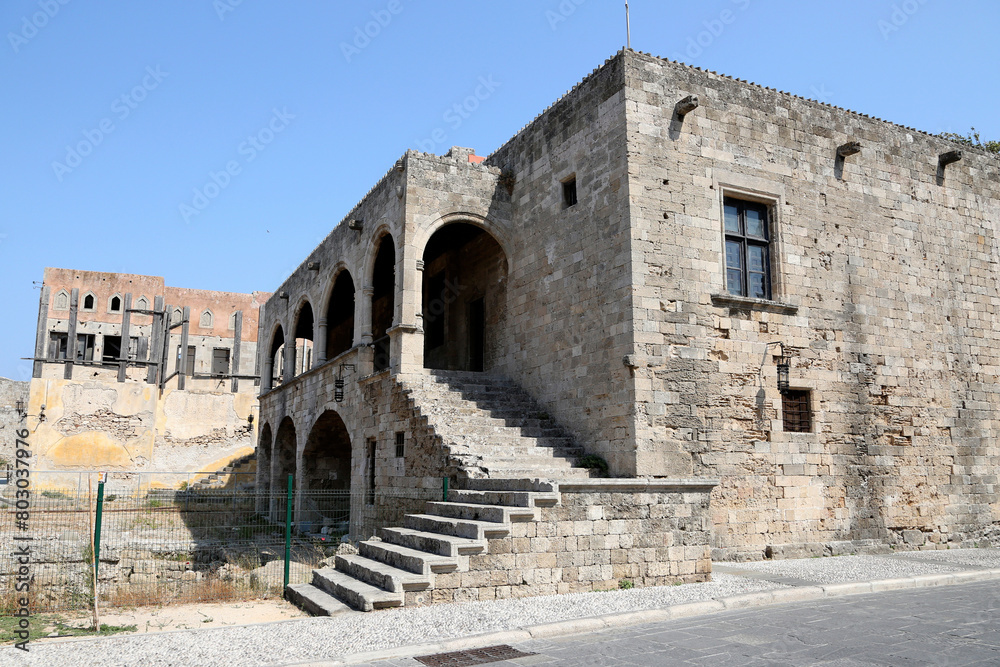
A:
(265, 379)
(289, 358)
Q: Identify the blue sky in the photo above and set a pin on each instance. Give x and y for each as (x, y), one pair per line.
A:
(115, 115)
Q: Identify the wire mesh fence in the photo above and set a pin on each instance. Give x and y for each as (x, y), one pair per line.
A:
(164, 546)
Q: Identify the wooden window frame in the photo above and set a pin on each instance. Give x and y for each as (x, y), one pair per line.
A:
(745, 241)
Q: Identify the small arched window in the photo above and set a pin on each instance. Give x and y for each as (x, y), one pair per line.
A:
(206, 320)
(177, 316)
(142, 303)
(88, 301)
(232, 322)
(61, 302)
(115, 305)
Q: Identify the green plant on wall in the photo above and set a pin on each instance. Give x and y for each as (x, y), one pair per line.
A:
(595, 463)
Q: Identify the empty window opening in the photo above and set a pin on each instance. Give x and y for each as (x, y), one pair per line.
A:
(112, 349)
(88, 302)
(85, 347)
(383, 300)
(569, 192)
(58, 345)
(116, 304)
(400, 444)
(189, 370)
(304, 339)
(220, 361)
(138, 348)
(795, 412)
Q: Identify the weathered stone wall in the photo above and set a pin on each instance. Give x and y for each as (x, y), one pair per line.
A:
(593, 540)
(884, 291)
(128, 427)
(569, 294)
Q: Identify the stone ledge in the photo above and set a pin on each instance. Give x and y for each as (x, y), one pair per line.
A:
(639, 485)
(747, 303)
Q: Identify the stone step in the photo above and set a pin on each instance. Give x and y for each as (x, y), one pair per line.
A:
(382, 575)
(531, 483)
(481, 512)
(551, 474)
(405, 558)
(525, 462)
(315, 601)
(356, 593)
(524, 500)
(443, 545)
(523, 448)
(467, 528)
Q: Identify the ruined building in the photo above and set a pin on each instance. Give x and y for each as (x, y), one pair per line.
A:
(625, 278)
(132, 375)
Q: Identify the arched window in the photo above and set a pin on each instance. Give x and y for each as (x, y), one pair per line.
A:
(115, 304)
(142, 303)
(177, 316)
(206, 320)
(88, 301)
(61, 302)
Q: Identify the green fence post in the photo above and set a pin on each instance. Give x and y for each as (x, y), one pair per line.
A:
(97, 524)
(288, 532)
(444, 489)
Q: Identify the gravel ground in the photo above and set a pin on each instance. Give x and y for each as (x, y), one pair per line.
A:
(985, 558)
(844, 569)
(327, 638)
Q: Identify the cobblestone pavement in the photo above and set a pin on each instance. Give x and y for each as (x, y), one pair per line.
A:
(951, 626)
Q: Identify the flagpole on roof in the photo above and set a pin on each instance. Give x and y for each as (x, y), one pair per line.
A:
(628, 28)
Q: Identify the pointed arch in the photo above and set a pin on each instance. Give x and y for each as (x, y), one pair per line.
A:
(61, 300)
(115, 303)
(383, 305)
(89, 301)
(303, 336)
(206, 320)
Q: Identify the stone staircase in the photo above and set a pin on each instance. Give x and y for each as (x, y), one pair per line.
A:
(506, 451)
(407, 559)
(225, 478)
(491, 427)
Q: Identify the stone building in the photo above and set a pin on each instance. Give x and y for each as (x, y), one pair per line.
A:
(624, 278)
(132, 375)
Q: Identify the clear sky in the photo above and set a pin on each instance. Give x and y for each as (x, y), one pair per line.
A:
(115, 114)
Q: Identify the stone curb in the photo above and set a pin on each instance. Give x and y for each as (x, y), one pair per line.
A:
(703, 608)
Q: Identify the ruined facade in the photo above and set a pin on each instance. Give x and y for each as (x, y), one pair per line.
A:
(632, 266)
(136, 376)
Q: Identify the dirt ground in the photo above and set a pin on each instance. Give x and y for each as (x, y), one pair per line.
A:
(191, 616)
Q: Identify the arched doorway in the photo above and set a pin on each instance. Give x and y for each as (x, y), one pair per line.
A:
(304, 339)
(263, 466)
(383, 300)
(340, 316)
(464, 298)
(326, 475)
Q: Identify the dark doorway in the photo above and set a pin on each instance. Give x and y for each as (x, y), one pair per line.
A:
(464, 299)
(477, 332)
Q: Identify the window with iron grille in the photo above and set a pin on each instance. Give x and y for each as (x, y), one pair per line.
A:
(748, 261)
(400, 443)
(795, 412)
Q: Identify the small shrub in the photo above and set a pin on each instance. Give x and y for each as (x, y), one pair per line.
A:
(57, 495)
(626, 585)
(154, 503)
(184, 486)
(594, 462)
(110, 498)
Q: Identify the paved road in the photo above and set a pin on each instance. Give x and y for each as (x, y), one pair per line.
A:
(950, 626)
